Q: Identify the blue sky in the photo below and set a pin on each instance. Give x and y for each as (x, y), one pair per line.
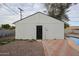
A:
(9, 13)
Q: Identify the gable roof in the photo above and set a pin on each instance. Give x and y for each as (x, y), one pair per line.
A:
(32, 15)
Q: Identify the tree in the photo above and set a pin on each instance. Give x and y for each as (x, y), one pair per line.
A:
(66, 25)
(5, 26)
(58, 10)
(12, 27)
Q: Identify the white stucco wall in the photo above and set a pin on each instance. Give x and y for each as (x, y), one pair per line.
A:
(52, 28)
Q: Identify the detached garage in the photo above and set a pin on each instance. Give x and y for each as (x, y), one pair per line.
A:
(39, 26)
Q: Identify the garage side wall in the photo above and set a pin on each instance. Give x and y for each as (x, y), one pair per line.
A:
(53, 31)
(50, 31)
(52, 28)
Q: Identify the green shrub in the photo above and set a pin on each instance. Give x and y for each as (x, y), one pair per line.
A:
(3, 42)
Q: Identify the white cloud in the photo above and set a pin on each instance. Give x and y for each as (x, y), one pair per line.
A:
(74, 13)
(8, 16)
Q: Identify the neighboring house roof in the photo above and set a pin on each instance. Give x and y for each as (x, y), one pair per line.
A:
(34, 14)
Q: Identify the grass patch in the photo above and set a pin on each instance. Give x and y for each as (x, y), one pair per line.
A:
(6, 41)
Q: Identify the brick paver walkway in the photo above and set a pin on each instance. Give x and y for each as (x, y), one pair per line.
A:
(22, 48)
(38, 48)
(59, 48)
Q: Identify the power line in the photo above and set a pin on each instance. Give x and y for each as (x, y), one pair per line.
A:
(7, 10)
(10, 8)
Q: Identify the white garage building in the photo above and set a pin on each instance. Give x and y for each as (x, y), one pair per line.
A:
(39, 26)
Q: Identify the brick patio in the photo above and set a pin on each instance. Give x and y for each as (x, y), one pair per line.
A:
(22, 48)
(38, 48)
